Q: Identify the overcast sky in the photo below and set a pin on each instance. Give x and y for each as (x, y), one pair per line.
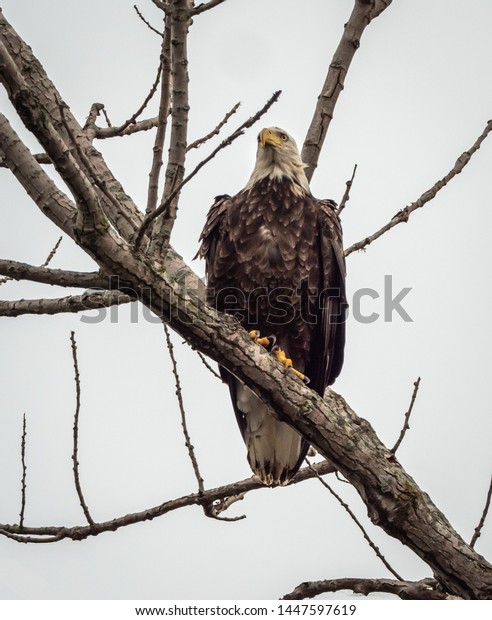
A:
(418, 94)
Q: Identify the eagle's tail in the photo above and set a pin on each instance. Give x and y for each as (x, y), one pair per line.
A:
(275, 450)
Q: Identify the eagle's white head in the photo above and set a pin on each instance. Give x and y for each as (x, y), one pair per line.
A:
(277, 156)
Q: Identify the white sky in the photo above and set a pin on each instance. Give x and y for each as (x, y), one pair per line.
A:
(418, 94)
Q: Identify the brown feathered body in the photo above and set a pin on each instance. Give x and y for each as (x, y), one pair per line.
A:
(275, 260)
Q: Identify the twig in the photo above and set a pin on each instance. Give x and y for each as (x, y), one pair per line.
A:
(12, 264)
(55, 533)
(160, 135)
(30, 539)
(197, 143)
(358, 523)
(23, 481)
(406, 590)
(87, 514)
(209, 509)
(340, 479)
(207, 365)
(179, 394)
(206, 6)
(212, 512)
(406, 425)
(478, 529)
(116, 131)
(108, 122)
(51, 255)
(403, 215)
(148, 24)
(236, 134)
(346, 195)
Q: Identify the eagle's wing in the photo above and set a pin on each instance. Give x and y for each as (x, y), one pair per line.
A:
(211, 231)
(329, 340)
(210, 241)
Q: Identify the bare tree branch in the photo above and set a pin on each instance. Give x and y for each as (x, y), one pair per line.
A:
(110, 124)
(73, 303)
(403, 215)
(38, 185)
(118, 131)
(209, 508)
(206, 6)
(407, 590)
(56, 533)
(160, 136)
(346, 195)
(184, 425)
(52, 253)
(29, 539)
(406, 425)
(215, 132)
(478, 529)
(24, 472)
(75, 452)
(145, 125)
(226, 503)
(227, 142)
(37, 102)
(207, 365)
(347, 508)
(91, 220)
(12, 264)
(179, 23)
(41, 158)
(94, 208)
(362, 14)
(147, 23)
(56, 277)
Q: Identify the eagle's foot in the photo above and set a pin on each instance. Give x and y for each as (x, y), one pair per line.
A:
(267, 341)
(287, 362)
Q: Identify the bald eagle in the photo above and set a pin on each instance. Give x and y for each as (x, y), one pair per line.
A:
(274, 259)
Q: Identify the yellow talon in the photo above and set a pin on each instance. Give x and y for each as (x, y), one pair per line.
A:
(283, 359)
(299, 374)
(287, 362)
(255, 335)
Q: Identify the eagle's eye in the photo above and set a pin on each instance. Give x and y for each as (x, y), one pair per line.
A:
(284, 137)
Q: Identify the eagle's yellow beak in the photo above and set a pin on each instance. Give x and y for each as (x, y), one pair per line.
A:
(267, 136)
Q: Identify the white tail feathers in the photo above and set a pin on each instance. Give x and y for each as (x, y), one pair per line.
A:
(273, 446)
